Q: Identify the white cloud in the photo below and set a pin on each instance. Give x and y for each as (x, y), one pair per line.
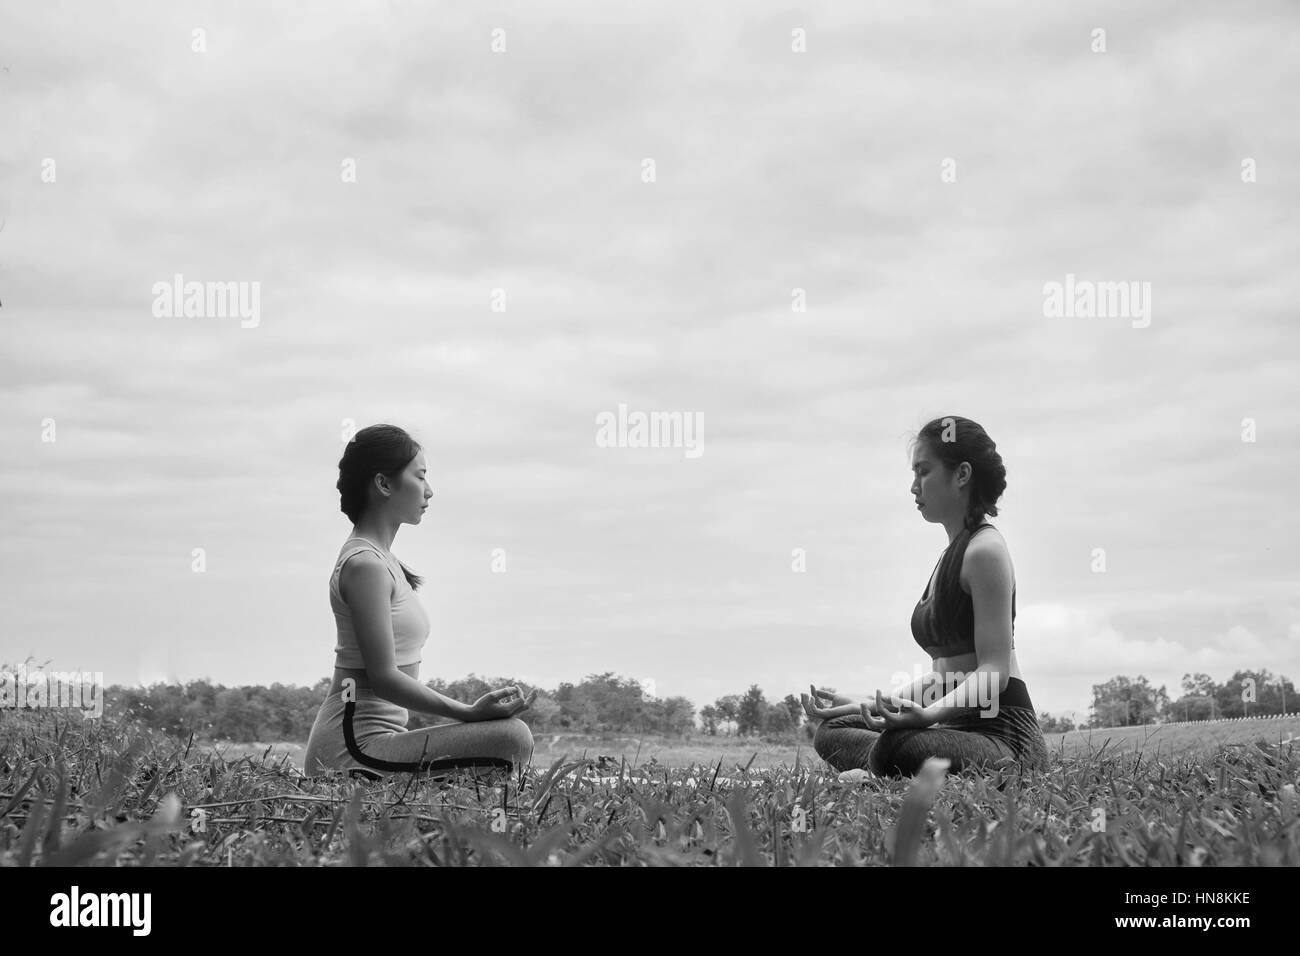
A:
(1064, 650)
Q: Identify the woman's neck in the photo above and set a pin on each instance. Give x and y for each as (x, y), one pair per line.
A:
(379, 534)
(957, 526)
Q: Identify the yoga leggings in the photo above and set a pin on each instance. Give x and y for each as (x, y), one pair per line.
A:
(846, 743)
(368, 737)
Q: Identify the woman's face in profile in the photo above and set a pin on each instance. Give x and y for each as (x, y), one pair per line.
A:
(413, 491)
(931, 485)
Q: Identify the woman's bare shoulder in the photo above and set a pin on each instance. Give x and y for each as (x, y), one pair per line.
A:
(987, 545)
(364, 567)
(987, 540)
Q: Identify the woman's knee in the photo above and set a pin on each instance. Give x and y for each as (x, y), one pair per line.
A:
(880, 760)
(842, 747)
(899, 753)
(904, 752)
(521, 732)
(823, 740)
(514, 737)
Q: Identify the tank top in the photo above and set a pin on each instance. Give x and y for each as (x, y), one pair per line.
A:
(943, 621)
(410, 623)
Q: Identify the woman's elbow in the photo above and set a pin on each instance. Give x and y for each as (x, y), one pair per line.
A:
(999, 675)
(385, 682)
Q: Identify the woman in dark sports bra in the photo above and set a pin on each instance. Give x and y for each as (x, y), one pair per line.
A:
(973, 708)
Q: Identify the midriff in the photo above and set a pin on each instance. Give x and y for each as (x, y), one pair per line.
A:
(362, 678)
(968, 662)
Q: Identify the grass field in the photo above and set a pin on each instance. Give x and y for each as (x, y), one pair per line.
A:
(74, 793)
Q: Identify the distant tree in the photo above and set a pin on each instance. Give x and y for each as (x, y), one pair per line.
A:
(794, 708)
(1198, 700)
(778, 720)
(1266, 689)
(1159, 704)
(752, 710)
(780, 717)
(1122, 701)
(617, 699)
(728, 709)
(544, 714)
(1194, 684)
(577, 710)
(677, 717)
(709, 718)
(1050, 724)
(235, 717)
(282, 715)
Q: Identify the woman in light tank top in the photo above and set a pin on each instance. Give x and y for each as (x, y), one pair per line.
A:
(973, 708)
(382, 628)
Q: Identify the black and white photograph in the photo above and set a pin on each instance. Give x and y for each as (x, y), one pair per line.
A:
(589, 435)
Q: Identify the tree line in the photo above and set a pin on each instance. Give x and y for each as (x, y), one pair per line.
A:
(750, 713)
(610, 703)
(599, 703)
(1123, 701)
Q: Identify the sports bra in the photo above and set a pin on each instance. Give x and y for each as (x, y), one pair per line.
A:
(943, 621)
(410, 623)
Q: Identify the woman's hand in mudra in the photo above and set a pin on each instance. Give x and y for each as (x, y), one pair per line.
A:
(499, 704)
(895, 713)
(823, 705)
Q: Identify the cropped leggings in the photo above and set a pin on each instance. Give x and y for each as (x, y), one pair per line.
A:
(368, 737)
(846, 742)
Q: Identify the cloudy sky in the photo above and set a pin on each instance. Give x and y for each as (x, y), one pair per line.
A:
(135, 149)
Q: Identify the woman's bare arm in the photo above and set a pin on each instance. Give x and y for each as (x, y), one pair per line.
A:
(990, 588)
(366, 586)
(924, 689)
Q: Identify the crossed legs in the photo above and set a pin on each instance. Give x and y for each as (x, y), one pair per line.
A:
(846, 743)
